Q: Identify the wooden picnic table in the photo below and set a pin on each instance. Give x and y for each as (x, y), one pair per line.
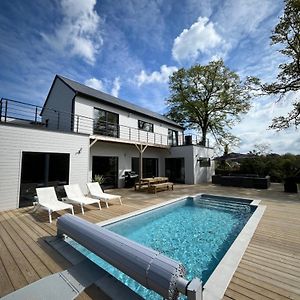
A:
(154, 180)
(150, 181)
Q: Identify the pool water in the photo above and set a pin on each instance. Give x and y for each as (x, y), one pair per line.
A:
(196, 232)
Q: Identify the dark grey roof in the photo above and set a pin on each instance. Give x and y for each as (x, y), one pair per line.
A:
(103, 97)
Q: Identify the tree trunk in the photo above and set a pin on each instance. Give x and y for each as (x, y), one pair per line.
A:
(203, 140)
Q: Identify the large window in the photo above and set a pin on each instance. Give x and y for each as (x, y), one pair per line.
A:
(106, 123)
(172, 137)
(40, 170)
(175, 169)
(150, 166)
(107, 166)
(145, 126)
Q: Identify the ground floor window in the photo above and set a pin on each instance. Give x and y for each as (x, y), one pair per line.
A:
(175, 169)
(42, 169)
(150, 166)
(107, 166)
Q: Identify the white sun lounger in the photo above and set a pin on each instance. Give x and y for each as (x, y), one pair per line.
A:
(97, 192)
(75, 195)
(47, 200)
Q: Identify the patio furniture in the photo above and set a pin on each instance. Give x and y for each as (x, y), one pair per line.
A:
(75, 195)
(242, 181)
(97, 193)
(152, 181)
(47, 200)
(161, 187)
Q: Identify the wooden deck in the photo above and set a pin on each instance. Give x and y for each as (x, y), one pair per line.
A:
(270, 268)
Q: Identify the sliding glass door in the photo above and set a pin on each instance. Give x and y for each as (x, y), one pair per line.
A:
(40, 170)
(106, 166)
(175, 169)
(150, 166)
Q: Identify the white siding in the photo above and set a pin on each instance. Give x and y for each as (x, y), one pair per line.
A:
(194, 173)
(203, 174)
(125, 152)
(128, 122)
(14, 140)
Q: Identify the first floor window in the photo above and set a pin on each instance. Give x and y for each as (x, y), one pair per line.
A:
(41, 169)
(150, 166)
(204, 162)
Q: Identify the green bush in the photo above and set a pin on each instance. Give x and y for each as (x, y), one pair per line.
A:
(278, 167)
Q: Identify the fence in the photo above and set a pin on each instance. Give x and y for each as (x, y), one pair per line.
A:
(20, 113)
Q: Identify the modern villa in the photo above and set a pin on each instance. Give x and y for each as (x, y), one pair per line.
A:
(81, 132)
(200, 240)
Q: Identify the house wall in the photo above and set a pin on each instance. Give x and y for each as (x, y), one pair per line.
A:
(128, 122)
(194, 173)
(125, 152)
(59, 99)
(15, 139)
(203, 174)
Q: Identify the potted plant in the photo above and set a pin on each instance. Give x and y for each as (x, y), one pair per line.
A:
(100, 179)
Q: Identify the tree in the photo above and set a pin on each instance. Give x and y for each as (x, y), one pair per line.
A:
(209, 99)
(261, 149)
(287, 33)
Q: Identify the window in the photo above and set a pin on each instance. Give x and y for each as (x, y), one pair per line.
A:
(204, 162)
(145, 126)
(175, 170)
(106, 123)
(172, 137)
(107, 166)
(150, 166)
(41, 169)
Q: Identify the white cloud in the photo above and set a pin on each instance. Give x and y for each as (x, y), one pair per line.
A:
(201, 37)
(254, 126)
(240, 20)
(238, 17)
(116, 87)
(161, 76)
(104, 85)
(78, 33)
(95, 84)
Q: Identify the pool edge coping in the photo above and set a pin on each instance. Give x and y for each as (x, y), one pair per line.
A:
(217, 284)
(219, 280)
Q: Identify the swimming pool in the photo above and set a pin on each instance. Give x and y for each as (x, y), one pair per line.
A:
(195, 231)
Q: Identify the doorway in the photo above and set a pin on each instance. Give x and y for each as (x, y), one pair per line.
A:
(175, 169)
(41, 170)
(150, 166)
(107, 166)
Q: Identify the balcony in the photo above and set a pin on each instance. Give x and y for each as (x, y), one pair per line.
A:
(23, 114)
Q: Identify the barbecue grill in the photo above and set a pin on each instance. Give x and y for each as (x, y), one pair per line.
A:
(130, 178)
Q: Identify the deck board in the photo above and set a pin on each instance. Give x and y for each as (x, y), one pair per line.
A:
(269, 269)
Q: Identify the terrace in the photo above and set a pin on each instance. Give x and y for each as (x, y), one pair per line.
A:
(269, 268)
(14, 112)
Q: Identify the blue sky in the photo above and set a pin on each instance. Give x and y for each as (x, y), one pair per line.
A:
(129, 48)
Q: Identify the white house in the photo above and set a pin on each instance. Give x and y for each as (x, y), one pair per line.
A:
(81, 132)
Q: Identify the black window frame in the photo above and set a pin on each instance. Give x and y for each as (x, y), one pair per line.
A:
(204, 162)
(154, 171)
(141, 125)
(105, 127)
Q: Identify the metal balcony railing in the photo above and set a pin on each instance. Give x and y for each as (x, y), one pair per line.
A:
(24, 114)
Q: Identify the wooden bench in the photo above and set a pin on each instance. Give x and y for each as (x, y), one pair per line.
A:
(139, 185)
(161, 187)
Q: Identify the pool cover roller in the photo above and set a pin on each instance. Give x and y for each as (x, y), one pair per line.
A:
(150, 268)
